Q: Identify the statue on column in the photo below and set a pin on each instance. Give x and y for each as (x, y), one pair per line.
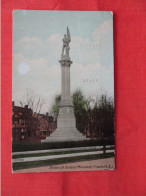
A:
(65, 47)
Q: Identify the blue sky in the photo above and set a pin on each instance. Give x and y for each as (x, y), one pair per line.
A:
(44, 23)
(37, 45)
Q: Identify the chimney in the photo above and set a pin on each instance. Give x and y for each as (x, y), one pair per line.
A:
(26, 107)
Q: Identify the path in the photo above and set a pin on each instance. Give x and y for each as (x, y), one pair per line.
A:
(100, 164)
(50, 157)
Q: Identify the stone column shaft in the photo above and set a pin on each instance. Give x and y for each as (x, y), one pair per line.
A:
(65, 78)
(66, 123)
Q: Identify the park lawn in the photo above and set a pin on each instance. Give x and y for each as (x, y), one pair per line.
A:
(31, 164)
(52, 153)
(20, 147)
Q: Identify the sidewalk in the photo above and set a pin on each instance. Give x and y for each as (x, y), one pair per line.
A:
(50, 157)
(100, 164)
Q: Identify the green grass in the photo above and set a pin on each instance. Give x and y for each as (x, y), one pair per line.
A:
(51, 153)
(55, 153)
(19, 147)
(32, 164)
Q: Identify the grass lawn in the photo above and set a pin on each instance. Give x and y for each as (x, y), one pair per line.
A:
(32, 164)
(19, 147)
(51, 153)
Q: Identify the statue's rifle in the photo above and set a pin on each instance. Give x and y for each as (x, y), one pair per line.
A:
(68, 35)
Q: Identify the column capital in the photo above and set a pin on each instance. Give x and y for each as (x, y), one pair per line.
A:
(65, 62)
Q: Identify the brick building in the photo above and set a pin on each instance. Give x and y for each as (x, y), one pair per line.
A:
(30, 127)
(47, 125)
(21, 120)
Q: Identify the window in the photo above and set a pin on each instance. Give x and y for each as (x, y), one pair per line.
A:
(20, 121)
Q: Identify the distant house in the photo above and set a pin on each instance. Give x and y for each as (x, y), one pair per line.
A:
(30, 127)
(47, 125)
(21, 119)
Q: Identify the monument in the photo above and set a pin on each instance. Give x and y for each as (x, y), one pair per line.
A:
(66, 123)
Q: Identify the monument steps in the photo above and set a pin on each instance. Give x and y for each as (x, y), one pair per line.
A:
(66, 134)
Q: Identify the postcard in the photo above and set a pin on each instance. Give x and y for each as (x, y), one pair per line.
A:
(63, 91)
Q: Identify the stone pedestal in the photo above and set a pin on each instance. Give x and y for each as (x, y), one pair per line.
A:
(66, 123)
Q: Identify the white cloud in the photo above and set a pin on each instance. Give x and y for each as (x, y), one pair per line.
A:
(23, 68)
(36, 66)
(102, 31)
(40, 80)
(92, 78)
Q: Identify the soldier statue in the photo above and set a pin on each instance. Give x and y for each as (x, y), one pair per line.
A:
(66, 47)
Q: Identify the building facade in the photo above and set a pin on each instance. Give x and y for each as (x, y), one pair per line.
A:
(30, 127)
(21, 120)
(47, 125)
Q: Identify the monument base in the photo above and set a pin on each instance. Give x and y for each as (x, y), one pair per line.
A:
(64, 135)
(66, 130)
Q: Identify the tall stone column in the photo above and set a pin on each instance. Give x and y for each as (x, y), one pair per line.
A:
(66, 117)
(66, 123)
(65, 79)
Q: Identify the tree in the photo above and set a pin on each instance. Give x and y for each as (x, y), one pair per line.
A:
(81, 105)
(103, 114)
(55, 107)
(97, 120)
(35, 103)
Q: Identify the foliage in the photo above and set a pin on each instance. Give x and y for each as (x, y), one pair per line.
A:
(96, 121)
(35, 103)
(55, 107)
(19, 147)
(30, 164)
(102, 116)
(81, 106)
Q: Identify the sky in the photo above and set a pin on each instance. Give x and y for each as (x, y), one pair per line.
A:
(37, 46)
